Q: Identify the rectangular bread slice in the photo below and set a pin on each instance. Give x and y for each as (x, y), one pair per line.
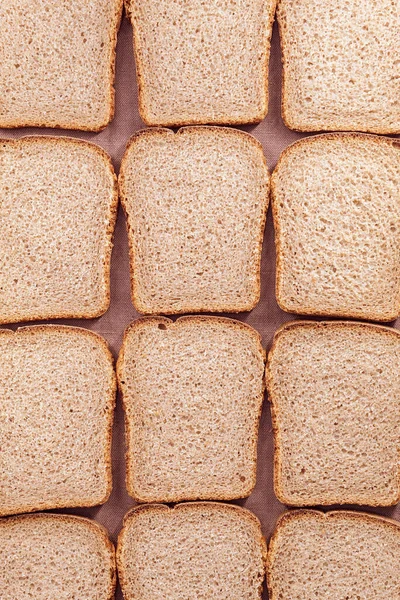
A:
(334, 389)
(57, 63)
(202, 62)
(336, 209)
(340, 554)
(192, 392)
(57, 396)
(198, 550)
(58, 208)
(61, 557)
(196, 204)
(340, 65)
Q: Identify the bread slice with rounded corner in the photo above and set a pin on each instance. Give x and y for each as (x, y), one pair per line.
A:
(194, 550)
(192, 393)
(334, 389)
(57, 396)
(339, 554)
(45, 556)
(196, 204)
(58, 208)
(336, 210)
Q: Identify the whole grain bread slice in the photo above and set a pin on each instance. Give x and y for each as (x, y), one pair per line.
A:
(336, 210)
(334, 389)
(58, 209)
(46, 556)
(192, 393)
(197, 550)
(57, 63)
(57, 396)
(196, 204)
(339, 554)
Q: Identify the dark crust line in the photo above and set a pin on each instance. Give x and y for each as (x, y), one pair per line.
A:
(368, 138)
(159, 507)
(129, 8)
(31, 330)
(111, 70)
(304, 514)
(163, 131)
(98, 529)
(275, 413)
(120, 378)
(109, 234)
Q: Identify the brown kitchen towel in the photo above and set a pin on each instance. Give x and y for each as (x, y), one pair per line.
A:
(266, 317)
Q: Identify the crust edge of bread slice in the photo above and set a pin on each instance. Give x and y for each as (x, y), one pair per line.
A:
(98, 339)
(166, 322)
(277, 458)
(304, 142)
(140, 306)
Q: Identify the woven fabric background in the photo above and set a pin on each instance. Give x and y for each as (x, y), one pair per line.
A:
(266, 317)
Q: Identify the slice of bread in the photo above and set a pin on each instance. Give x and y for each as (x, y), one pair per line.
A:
(58, 209)
(336, 208)
(202, 62)
(196, 550)
(192, 392)
(340, 65)
(196, 203)
(341, 554)
(335, 394)
(57, 63)
(57, 396)
(61, 557)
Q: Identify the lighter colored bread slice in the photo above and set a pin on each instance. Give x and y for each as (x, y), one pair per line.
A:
(200, 550)
(340, 65)
(202, 62)
(57, 63)
(192, 392)
(341, 554)
(57, 395)
(335, 394)
(196, 203)
(57, 214)
(48, 557)
(336, 208)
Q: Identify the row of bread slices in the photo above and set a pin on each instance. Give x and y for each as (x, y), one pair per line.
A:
(201, 550)
(196, 204)
(192, 393)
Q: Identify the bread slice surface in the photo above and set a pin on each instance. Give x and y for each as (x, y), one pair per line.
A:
(57, 396)
(335, 397)
(196, 204)
(198, 550)
(340, 65)
(340, 554)
(192, 393)
(336, 209)
(58, 209)
(58, 61)
(200, 63)
(46, 556)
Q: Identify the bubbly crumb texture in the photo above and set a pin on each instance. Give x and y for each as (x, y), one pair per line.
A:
(336, 208)
(335, 394)
(57, 63)
(58, 209)
(57, 396)
(196, 204)
(192, 392)
(340, 65)
(199, 550)
(202, 62)
(340, 554)
(45, 556)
